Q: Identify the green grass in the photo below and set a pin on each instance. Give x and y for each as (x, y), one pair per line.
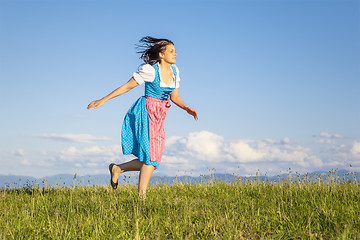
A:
(250, 210)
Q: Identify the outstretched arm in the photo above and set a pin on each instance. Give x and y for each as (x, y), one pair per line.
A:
(117, 92)
(175, 98)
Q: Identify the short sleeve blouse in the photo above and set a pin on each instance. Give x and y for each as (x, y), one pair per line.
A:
(147, 74)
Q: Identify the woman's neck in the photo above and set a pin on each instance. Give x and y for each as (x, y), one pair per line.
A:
(164, 65)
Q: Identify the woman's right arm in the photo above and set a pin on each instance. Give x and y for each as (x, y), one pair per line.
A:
(117, 92)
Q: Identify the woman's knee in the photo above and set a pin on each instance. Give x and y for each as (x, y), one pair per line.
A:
(147, 168)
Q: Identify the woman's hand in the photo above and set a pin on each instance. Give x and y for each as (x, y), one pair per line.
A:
(175, 98)
(117, 92)
(95, 104)
(192, 112)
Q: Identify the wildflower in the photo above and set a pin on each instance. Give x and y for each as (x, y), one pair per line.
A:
(278, 212)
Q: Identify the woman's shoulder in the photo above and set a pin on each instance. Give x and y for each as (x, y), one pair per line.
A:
(146, 73)
(147, 67)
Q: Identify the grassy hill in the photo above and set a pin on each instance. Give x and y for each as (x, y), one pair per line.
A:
(215, 210)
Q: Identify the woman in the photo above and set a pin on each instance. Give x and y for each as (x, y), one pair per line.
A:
(143, 132)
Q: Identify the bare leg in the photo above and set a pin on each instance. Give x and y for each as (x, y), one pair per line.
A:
(133, 165)
(144, 177)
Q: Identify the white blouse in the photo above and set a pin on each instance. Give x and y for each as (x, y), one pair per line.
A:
(147, 74)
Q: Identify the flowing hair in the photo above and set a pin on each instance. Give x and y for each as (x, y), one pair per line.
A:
(151, 47)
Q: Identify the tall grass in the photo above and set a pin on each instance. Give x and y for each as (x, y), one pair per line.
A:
(216, 210)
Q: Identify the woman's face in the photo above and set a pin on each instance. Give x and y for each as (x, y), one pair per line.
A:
(169, 55)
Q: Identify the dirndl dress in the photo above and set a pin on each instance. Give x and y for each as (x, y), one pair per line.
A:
(142, 132)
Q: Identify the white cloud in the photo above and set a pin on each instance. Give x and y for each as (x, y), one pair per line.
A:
(286, 140)
(311, 161)
(174, 140)
(326, 141)
(69, 137)
(19, 152)
(205, 145)
(92, 154)
(88, 160)
(242, 152)
(44, 153)
(355, 149)
(328, 135)
(327, 138)
(270, 150)
(198, 152)
(46, 163)
(25, 162)
(208, 150)
(174, 160)
(340, 153)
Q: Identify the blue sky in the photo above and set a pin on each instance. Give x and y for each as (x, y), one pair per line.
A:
(276, 84)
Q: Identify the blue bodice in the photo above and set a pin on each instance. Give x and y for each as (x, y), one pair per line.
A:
(153, 89)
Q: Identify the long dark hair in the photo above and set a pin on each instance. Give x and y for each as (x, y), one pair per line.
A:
(151, 47)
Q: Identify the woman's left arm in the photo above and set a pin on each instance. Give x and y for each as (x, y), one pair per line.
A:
(175, 98)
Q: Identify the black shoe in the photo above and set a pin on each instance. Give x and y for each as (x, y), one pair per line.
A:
(113, 185)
